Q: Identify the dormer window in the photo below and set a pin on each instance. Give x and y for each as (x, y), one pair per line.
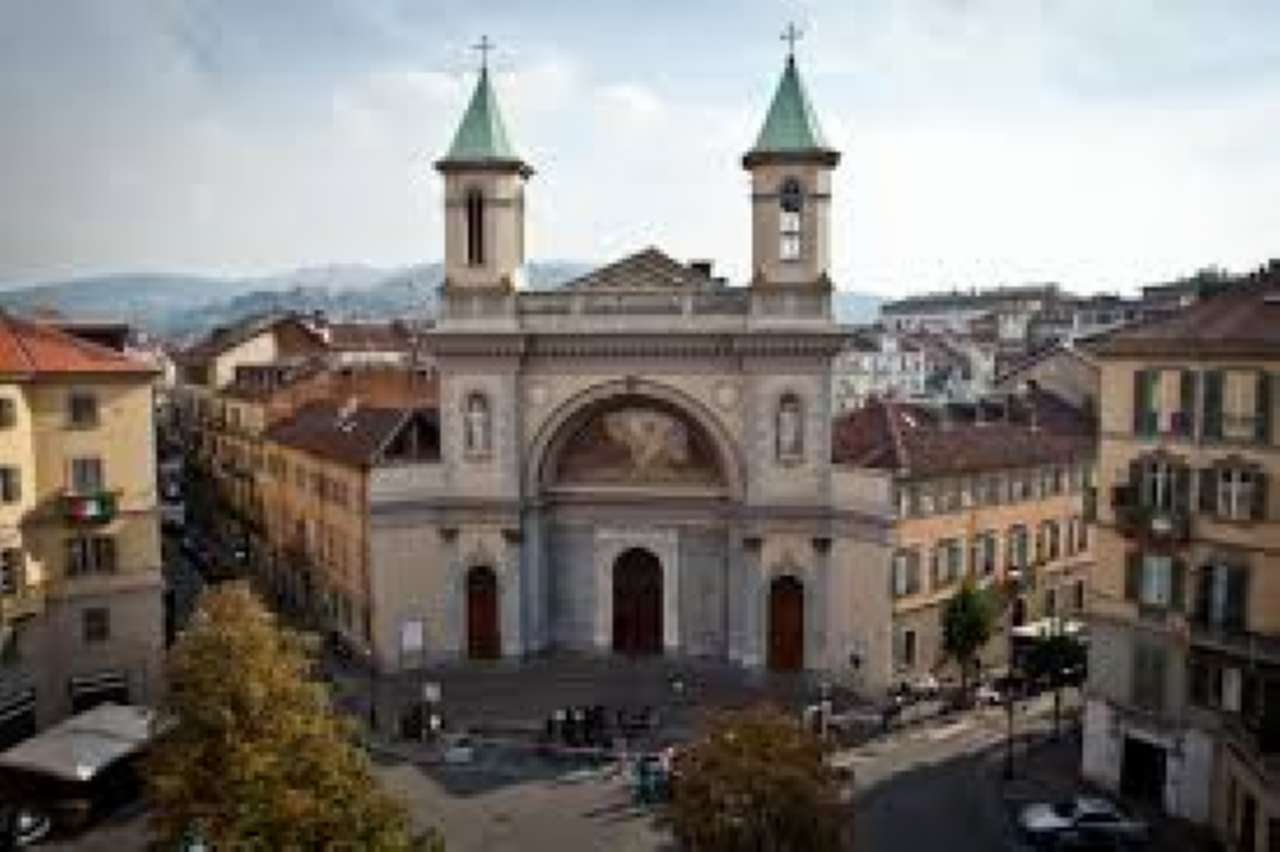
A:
(475, 228)
(791, 203)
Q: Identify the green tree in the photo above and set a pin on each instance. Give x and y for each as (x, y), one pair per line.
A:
(1051, 660)
(968, 620)
(757, 782)
(251, 754)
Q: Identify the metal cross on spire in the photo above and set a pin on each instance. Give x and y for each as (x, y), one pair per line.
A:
(484, 46)
(791, 35)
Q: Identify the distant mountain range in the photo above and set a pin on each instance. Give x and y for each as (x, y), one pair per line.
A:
(185, 306)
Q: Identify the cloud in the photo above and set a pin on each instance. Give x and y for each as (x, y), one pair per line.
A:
(1103, 145)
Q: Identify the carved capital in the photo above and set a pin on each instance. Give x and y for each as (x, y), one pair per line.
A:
(822, 544)
(752, 543)
(448, 534)
(512, 535)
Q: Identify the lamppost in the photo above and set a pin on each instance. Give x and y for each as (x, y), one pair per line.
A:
(372, 662)
(1015, 585)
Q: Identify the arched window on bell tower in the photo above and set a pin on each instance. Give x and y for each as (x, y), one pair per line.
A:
(790, 220)
(475, 228)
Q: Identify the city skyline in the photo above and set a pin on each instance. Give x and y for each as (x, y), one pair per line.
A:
(984, 143)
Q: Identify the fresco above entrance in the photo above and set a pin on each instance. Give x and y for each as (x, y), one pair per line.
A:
(639, 444)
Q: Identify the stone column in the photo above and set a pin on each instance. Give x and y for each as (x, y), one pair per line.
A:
(533, 567)
(754, 621)
(820, 597)
(511, 604)
(455, 594)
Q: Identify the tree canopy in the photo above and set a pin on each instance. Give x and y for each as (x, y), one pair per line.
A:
(756, 781)
(252, 755)
(968, 620)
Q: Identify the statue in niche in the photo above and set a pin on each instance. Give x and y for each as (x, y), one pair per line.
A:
(476, 419)
(790, 428)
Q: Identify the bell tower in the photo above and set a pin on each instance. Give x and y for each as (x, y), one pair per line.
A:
(484, 183)
(790, 166)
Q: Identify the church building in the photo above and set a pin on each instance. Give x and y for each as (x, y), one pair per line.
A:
(640, 461)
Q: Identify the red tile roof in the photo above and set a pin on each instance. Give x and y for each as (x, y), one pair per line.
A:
(352, 435)
(31, 348)
(1244, 319)
(918, 440)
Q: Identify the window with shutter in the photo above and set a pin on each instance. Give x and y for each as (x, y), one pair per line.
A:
(1213, 405)
(10, 484)
(1133, 576)
(1263, 424)
(1183, 420)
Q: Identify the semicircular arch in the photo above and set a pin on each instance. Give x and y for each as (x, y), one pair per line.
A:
(570, 418)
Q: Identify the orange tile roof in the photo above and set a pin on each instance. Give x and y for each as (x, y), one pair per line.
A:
(32, 348)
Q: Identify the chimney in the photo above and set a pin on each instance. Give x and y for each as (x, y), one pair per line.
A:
(702, 267)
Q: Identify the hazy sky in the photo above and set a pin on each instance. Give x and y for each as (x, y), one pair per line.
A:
(1101, 143)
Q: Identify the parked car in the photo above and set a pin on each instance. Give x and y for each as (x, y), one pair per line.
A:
(459, 750)
(30, 827)
(924, 686)
(986, 695)
(1082, 820)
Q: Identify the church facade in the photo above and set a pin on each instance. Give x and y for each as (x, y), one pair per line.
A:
(638, 462)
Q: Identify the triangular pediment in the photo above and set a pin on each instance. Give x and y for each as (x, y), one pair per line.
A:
(647, 269)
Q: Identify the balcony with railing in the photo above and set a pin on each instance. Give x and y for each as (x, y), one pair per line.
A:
(90, 507)
(1158, 524)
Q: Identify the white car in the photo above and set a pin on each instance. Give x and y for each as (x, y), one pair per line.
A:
(1082, 819)
(987, 695)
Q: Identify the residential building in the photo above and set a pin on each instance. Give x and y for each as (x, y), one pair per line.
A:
(336, 486)
(877, 364)
(1062, 369)
(987, 492)
(81, 612)
(1183, 703)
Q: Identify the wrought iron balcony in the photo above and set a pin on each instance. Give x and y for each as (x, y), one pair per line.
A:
(1148, 523)
(91, 507)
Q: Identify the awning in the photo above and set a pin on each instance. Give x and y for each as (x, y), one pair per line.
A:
(78, 748)
(1046, 627)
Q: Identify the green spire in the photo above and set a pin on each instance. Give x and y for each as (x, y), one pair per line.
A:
(791, 127)
(482, 135)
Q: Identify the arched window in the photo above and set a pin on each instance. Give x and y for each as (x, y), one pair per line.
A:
(791, 202)
(475, 228)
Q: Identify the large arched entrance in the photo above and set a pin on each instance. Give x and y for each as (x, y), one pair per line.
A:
(786, 624)
(637, 603)
(483, 637)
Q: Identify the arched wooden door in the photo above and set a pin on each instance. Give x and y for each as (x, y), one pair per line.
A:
(483, 637)
(786, 624)
(637, 603)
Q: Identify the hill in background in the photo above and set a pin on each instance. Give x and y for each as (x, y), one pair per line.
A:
(186, 306)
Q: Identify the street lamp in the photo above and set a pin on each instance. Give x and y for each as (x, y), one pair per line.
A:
(372, 662)
(1015, 584)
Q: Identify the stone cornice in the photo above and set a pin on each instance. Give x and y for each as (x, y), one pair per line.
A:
(680, 345)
